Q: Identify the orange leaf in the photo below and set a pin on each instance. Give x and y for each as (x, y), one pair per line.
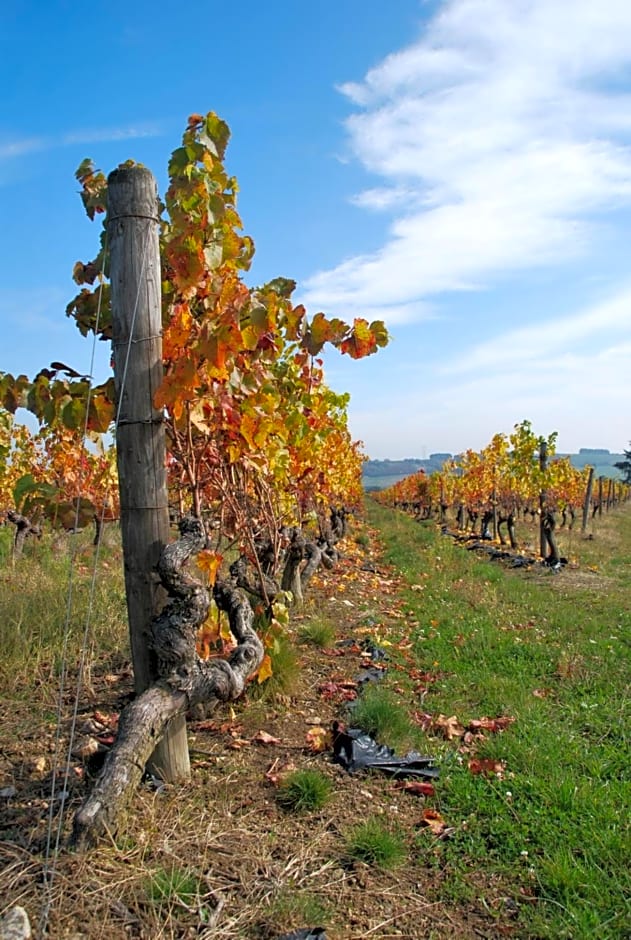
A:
(209, 562)
(432, 820)
(417, 787)
(318, 739)
(490, 724)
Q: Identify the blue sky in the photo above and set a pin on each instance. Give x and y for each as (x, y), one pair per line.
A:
(459, 169)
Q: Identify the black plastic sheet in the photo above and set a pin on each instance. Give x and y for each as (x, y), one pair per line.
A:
(356, 750)
(311, 933)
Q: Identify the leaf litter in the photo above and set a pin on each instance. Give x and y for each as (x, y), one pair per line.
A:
(259, 869)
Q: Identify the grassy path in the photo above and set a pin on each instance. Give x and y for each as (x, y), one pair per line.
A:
(551, 651)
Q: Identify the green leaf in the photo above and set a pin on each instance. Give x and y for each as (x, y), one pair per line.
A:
(29, 486)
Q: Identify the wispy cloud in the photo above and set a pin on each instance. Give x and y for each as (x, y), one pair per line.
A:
(552, 339)
(111, 134)
(496, 137)
(20, 146)
(585, 396)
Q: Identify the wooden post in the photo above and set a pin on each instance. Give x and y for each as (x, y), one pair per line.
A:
(600, 495)
(132, 228)
(588, 499)
(543, 498)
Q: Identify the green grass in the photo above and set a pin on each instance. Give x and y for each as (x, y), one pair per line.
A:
(552, 651)
(293, 907)
(380, 713)
(318, 632)
(375, 843)
(173, 886)
(304, 791)
(47, 594)
(285, 670)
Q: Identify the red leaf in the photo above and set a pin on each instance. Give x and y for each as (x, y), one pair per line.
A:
(417, 787)
(487, 766)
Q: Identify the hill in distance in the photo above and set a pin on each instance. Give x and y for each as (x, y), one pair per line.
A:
(379, 474)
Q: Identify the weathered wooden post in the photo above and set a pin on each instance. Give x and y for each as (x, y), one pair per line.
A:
(132, 229)
(588, 500)
(543, 499)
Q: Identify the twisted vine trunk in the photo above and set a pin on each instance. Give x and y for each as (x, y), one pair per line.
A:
(23, 528)
(185, 679)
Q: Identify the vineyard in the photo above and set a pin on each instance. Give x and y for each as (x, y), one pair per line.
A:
(242, 604)
(515, 477)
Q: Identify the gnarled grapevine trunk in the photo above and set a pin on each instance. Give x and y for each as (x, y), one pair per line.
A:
(23, 528)
(185, 679)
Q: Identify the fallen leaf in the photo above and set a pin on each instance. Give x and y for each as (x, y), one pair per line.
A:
(278, 770)
(417, 787)
(490, 724)
(450, 728)
(424, 719)
(432, 820)
(345, 690)
(263, 737)
(318, 739)
(487, 766)
(86, 747)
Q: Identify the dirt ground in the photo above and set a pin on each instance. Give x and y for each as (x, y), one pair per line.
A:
(259, 871)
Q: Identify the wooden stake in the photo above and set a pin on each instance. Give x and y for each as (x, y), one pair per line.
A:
(132, 227)
(588, 500)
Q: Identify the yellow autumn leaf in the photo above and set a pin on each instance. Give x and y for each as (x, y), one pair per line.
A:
(209, 562)
(265, 669)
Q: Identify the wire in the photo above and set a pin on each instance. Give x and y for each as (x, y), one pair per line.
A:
(51, 849)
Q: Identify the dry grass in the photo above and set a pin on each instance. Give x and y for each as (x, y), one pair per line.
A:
(219, 857)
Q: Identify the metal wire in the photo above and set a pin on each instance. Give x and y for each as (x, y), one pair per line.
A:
(52, 850)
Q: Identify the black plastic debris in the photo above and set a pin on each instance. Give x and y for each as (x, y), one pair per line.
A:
(356, 750)
(376, 652)
(369, 675)
(312, 933)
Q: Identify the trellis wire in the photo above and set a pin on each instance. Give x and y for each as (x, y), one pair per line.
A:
(49, 869)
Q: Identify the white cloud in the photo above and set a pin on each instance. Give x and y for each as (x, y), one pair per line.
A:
(20, 146)
(496, 136)
(110, 134)
(527, 346)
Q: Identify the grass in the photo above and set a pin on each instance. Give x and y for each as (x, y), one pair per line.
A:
(173, 886)
(380, 713)
(375, 843)
(304, 791)
(547, 841)
(291, 907)
(318, 632)
(285, 670)
(47, 600)
(552, 652)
